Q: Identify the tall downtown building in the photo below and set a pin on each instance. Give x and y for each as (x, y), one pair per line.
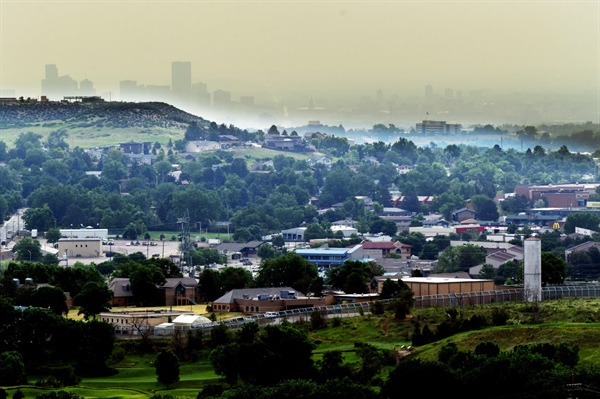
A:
(181, 80)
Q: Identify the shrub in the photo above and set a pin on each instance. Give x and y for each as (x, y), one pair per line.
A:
(499, 316)
(317, 320)
(377, 308)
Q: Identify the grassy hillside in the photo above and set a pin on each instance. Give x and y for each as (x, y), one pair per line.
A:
(90, 125)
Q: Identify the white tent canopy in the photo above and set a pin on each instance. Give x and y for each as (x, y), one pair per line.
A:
(189, 320)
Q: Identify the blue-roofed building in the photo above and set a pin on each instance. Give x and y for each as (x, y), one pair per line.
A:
(331, 257)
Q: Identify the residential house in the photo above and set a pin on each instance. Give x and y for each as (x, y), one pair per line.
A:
(202, 146)
(320, 160)
(122, 293)
(280, 142)
(393, 211)
(134, 147)
(383, 249)
(228, 141)
(462, 214)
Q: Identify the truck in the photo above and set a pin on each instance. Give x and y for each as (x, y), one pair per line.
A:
(34, 233)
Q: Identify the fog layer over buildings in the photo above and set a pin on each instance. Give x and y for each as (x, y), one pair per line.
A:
(352, 63)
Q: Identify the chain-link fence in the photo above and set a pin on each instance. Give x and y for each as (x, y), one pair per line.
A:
(360, 308)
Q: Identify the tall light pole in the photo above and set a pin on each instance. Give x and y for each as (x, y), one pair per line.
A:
(29, 255)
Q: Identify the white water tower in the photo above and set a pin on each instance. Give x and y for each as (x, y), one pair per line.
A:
(532, 270)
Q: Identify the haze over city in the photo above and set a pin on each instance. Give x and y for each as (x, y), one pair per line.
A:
(340, 62)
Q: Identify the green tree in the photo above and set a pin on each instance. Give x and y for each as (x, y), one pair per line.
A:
(266, 251)
(235, 278)
(93, 298)
(12, 369)
(290, 270)
(52, 298)
(460, 258)
(485, 207)
(52, 235)
(167, 367)
(554, 269)
(354, 276)
(487, 272)
(211, 287)
(39, 218)
(28, 249)
(391, 289)
(584, 220)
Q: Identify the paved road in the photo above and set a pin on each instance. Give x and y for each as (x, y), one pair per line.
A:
(10, 227)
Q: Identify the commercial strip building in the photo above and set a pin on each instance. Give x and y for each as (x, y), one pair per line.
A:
(80, 247)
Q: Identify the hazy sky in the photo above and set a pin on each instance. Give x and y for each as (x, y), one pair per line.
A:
(284, 46)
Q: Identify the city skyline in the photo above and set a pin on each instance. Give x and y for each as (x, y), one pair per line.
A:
(289, 52)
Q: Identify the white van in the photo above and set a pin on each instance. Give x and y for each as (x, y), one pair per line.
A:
(272, 314)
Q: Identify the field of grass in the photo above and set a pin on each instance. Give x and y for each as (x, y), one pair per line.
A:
(95, 136)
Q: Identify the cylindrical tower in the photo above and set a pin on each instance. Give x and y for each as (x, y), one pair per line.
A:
(532, 270)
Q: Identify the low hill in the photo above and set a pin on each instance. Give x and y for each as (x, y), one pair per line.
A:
(101, 123)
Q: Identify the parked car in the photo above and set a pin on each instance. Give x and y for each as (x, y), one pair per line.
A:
(272, 314)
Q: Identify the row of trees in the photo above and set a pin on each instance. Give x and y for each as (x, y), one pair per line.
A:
(54, 184)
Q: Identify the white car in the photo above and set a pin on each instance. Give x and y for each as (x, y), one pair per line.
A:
(272, 314)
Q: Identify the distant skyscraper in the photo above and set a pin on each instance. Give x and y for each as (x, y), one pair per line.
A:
(221, 99)
(200, 94)
(379, 95)
(181, 80)
(50, 81)
(54, 86)
(428, 92)
(86, 88)
(449, 93)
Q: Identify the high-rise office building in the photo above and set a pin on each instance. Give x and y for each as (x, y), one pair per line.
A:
(221, 99)
(200, 94)
(181, 80)
(428, 92)
(50, 81)
(54, 86)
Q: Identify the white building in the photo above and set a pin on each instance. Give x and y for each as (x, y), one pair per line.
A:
(87, 232)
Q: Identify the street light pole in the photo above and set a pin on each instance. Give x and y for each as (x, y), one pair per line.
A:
(29, 255)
